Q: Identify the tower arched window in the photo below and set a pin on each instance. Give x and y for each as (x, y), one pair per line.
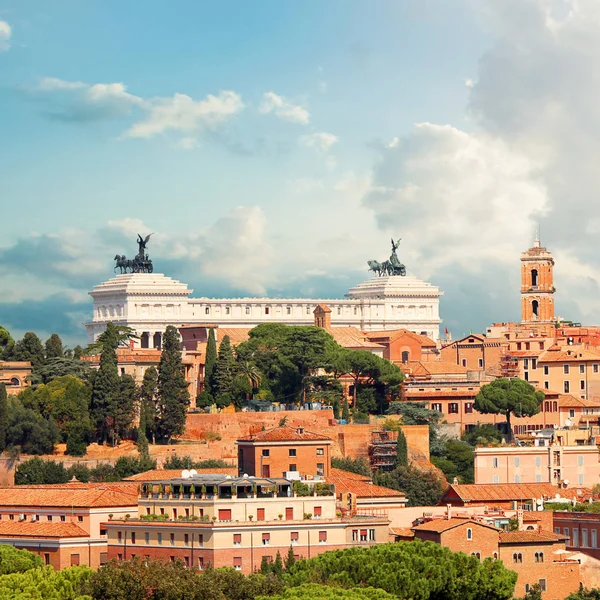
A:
(535, 307)
(534, 277)
(404, 357)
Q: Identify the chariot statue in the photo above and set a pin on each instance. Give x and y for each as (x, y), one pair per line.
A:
(392, 266)
(140, 263)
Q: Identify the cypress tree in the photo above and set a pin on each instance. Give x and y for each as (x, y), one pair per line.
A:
(124, 408)
(277, 568)
(345, 410)
(401, 450)
(105, 393)
(173, 395)
(290, 559)
(148, 408)
(54, 347)
(224, 368)
(30, 349)
(210, 362)
(3, 416)
(265, 566)
(77, 352)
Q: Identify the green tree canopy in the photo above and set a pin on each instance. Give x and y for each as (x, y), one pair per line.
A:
(30, 349)
(3, 416)
(44, 583)
(148, 403)
(210, 363)
(54, 347)
(415, 413)
(422, 488)
(456, 460)
(401, 450)
(7, 344)
(353, 465)
(29, 432)
(509, 397)
(61, 367)
(482, 435)
(314, 591)
(17, 561)
(410, 571)
(172, 389)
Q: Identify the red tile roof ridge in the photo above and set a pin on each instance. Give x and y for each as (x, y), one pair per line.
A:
(443, 524)
(285, 433)
(41, 529)
(361, 485)
(524, 537)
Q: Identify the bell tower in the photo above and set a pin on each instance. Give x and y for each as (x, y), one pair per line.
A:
(537, 285)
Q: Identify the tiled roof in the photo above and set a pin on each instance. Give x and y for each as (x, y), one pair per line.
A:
(322, 308)
(351, 337)
(567, 354)
(65, 496)
(431, 393)
(406, 532)
(237, 335)
(530, 537)
(33, 529)
(496, 492)
(392, 334)
(286, 434)
(568, 401)
(441, 525)
(435, 367)
(360, 485)
(163, 474)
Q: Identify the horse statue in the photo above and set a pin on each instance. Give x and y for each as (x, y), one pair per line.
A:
(121, 263)
(376, 267)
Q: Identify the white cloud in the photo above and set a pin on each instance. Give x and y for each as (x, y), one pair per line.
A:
(183, 114)
(5, 35)
(52, 84)
(188, 143)
(320, 140)
(282, 108)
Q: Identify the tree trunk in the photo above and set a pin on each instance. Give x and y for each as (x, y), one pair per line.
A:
(509, 426)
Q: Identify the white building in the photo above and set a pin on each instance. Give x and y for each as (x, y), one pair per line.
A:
(148, 302)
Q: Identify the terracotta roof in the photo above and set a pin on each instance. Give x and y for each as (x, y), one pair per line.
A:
(496, 492)
(525, 353)
(425, 394)
(163, 474)
(286, 434)
(322, 308)
(352, 337)
(436, 367)
(441, 525)
(237, 335)
(403, 531)
(44, 529)
(65, 496)
(530, 537)
(360, 485)
(392, 334)
(567, 354)
(568, 401)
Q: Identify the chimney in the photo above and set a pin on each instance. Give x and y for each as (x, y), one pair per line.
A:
(520, 519)
(322, 316)
(448, 511)
(131, 344)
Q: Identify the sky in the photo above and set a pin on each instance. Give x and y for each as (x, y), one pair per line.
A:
(274, 147)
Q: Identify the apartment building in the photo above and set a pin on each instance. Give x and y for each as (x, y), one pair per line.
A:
(225, 521)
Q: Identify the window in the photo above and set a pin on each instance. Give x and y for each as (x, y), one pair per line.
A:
(517, 479)
(46, 559)
(495, 462)
(133, 537)
(546, 370)
(468, 407)
(566, 369)
(526, 363)
(266, 452)
(63, 517)
(289, 513)
(566, 532)
(294, 537)
(526, 374)
(469, 534)
(363, 535)
(541, 345)
(120, 557)
(247, 310)
(267, 310)
(476, 555)
(79, 518)
(355, 535)
(320, 452)
(49, 517)
(566, 387)
(237, 563)
(119, 537)
(172, 539)
(571, 412)
(237, 539)
(405, 357)
(580, 461)
(542, 584)
(594, 536)
(580, 479)
(293, 467)
(174, 514)
(186, 539)
(584, 538)
(534, 363)
(147, 537)
(200, 563)
(322, 537)
(224, 514)
(266, 539)
(464, 362)
(260, 514)
(538, 478)
(576, 538)
(207, 311)
(321, 469)
(436, 406)
(318, 511)
(453, 408)
(538, 557)
(495, 479)
(582, 369)
(159, 538)
(371, 535)
(292, 452)
(538, 461)
(288, 310)
(595, 368)
(480, 363)
(227, 310)
(517, 461)
(582, 384)
(546, 385)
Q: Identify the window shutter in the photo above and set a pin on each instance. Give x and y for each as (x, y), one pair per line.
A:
(322, 536)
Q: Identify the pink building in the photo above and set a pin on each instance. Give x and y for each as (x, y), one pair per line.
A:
(565, 465)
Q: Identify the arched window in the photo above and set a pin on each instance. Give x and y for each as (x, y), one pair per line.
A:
(495, 556)
(534, 277)
(267, 310)
(469, 534)
(157, 340)
(555, 406)
(515, 557)
(15, 381)
(405, 356)
(247, 310)
(207, 311)
(535, 307)
(227, 310)
(520, 557)
(145, 340)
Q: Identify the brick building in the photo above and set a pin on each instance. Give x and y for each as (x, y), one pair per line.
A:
(225, 521)
(281, 450)
(582, 531)
(534, 555)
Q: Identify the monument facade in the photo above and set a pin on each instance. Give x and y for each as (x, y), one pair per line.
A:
(148, 302)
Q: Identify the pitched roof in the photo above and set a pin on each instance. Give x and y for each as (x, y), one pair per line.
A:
(23, 529)
(322, 308)
(496, 492)
(352, 337)
(286, 434)
(530, 537)
(441, 525)
(237, 335)
(568, 401)
(163, 474)
(361, 485)
(567, 354)
(392, 334)
(433, 367)
(68, 496)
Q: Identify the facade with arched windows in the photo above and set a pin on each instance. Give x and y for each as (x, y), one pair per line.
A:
(148, 302)
(537, 285)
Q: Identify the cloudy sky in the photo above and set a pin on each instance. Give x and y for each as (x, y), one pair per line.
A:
(273, 147)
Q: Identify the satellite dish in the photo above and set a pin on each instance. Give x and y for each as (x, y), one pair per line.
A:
(245, 475)
(566, 482)
(540, 502)
(185, 474)
(193, 472)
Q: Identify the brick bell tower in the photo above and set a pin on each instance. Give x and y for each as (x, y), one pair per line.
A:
(537, 285)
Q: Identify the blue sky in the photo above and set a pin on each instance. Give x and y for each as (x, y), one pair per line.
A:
(274, 147)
